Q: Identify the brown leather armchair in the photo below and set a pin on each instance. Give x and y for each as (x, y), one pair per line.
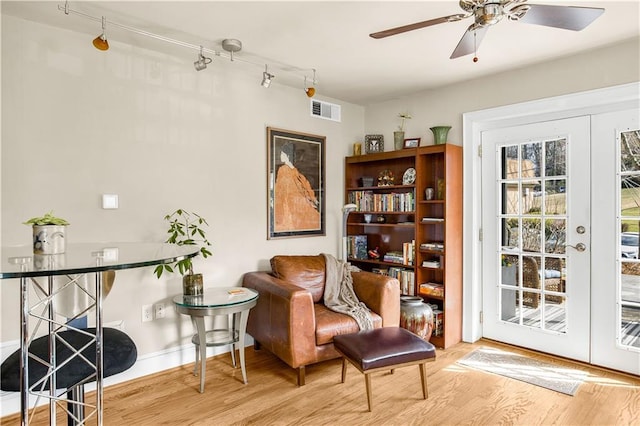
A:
(290, 319)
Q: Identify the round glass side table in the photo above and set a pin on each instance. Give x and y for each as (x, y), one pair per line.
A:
(234, 301)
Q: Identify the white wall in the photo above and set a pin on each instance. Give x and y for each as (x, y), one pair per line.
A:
(609, 66)
(78, 123)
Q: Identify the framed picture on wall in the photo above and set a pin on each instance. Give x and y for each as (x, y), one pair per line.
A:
(295, 184)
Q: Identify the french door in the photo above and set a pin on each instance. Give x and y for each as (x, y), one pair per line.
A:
(615, 338)
(536, 236)
(561, 237)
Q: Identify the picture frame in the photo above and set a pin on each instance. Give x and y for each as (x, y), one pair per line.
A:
(412, 143)
(295, 184)
(373, 143)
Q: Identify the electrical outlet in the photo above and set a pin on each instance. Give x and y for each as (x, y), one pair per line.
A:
(160, 310)
(147, 313)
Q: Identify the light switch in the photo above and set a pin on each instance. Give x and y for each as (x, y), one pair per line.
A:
(109, 201)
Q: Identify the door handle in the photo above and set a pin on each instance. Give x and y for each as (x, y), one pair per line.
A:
(579, 247)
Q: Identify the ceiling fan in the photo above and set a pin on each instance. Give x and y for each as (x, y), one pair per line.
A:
(489, 12)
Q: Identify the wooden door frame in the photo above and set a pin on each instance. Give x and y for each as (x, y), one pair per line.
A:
(591, 102)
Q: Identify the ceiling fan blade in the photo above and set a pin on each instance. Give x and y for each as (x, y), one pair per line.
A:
(418, 25)
(565, 17)
(470, 41)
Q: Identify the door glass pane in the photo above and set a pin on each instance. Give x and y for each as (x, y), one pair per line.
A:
(555, 197)
(511, 202)
(533, 223)
(510, 158)
(628, 333)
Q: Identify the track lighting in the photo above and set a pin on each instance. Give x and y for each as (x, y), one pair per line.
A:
(101, 42)
(266, 78)
(202, 61)
(230, 47)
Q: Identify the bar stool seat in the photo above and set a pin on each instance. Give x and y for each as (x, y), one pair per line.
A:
(119, 354)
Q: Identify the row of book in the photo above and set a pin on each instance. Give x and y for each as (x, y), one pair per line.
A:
(368, 201)
(357, 247)
(405, 257)
(407, 278)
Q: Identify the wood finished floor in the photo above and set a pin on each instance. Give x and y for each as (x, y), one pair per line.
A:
(457, 395)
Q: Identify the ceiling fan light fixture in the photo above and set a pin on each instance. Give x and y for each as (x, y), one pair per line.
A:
(490, 14)
(487, 13)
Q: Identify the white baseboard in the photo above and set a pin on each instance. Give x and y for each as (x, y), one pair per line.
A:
(145, 365)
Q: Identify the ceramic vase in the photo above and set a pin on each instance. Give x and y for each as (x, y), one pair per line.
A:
(192, 285)
(440, 134)
(398, 139)
(416, 316)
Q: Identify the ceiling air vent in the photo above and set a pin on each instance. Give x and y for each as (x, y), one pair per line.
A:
(325, 110)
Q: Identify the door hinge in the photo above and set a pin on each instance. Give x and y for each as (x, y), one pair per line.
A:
(480, 151)
(480, 234)
(481, 317)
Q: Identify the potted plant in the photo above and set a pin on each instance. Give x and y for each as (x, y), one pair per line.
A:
(48, 234)
(186, 229)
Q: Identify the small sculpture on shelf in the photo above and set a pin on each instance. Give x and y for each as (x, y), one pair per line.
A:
(374, 254)
(385, 178)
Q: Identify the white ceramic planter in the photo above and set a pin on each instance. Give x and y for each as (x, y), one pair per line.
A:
(49, 239)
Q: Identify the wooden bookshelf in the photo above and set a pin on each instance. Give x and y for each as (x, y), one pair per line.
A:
(433, 226)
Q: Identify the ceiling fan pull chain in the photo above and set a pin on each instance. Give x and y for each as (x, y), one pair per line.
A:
(475, 47)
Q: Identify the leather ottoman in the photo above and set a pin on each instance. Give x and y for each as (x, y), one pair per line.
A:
(382, 349)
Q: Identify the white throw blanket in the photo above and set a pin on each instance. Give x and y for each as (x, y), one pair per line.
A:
(339, 295)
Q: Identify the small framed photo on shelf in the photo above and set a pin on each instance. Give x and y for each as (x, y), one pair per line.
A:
(373, 143)
(412, 143)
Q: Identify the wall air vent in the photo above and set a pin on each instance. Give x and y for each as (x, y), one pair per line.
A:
(325, 110)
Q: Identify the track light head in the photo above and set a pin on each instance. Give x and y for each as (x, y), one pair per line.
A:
(266, 78)
(101, 42)
(310, 91)
(202, 61)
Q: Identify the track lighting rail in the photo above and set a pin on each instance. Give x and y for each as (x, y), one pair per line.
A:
(290, 69)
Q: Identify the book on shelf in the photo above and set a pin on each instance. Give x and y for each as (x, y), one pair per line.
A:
(406, 277)
(357, 247)
(408, 250)
(432, 289)
(434, 246)
(431, 264)
(433, 219)
(437, 322)
(393, 257)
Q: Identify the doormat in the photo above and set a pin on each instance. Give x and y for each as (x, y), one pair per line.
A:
(520, 367)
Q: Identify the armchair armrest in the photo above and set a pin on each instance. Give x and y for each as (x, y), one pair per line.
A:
(283, 320)
(381, 294)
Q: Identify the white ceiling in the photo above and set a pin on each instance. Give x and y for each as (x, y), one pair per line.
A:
(333, 37)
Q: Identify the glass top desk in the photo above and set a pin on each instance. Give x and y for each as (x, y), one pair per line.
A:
(61, 271)
(219, 301)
